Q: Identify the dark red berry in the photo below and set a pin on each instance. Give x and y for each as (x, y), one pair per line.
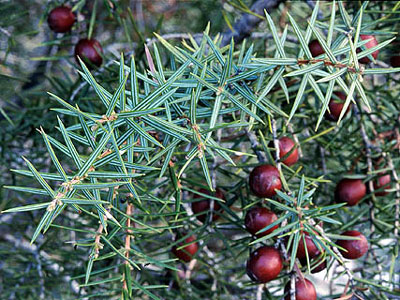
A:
(336, 107)
(383, 182)
(285, 146)
(305, 290)
(264, 180)
(203, 206)
(312, 249)
(186, 253)
(315, 48)
(350, 191)
(61, 19)
(316, 266)
(264, 264)
(395, 61)
(89, 51)
(354, 248)
(372, 43)
(258, 218)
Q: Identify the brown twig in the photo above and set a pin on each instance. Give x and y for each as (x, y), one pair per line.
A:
(129, 209)
(296, 139)
(97, 245)
(328, 62)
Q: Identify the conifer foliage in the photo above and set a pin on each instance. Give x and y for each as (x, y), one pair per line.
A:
(159, 163)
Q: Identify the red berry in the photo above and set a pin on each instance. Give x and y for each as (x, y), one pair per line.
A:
(350, 191)
(355, 248)
(305, 290)
(61, 19)
(264, 264)
(89, 51)
(316, 266)
(383, 182)
(372, 43)
(395, 61)
(186, 253)
(203, 206)
(336, 107)
(312, 249)
(315, 48)
(264, 180)
(285, 146)
(258, 218)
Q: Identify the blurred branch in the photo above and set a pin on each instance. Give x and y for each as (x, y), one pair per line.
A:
(246, 24)
(311, 4)
(368, 147)
(254, 145)
(397, 205)
(4, 31)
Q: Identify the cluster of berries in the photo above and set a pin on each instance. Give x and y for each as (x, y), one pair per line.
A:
(266, 262)
(60, 20)
(336, 105)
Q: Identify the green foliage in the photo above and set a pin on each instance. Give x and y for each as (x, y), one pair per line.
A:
(147, 132)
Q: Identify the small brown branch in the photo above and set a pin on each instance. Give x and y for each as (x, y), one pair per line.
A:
(296, 139)
(328, 62)
(129, 209)
(97, 245)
